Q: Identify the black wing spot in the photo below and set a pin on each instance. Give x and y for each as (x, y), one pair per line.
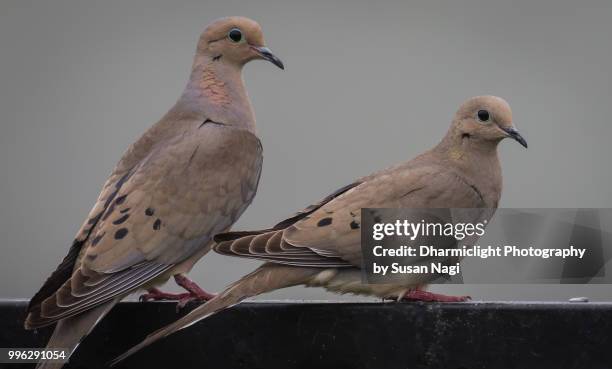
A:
(97, 239)
(118, 201)
(122, 232)
(149, 212)
(124, 210)
(109, 211)
(64, 270)
(157, 224)
(122, 219)
(324, 222)
(309, 210)
(95, 219)
(354, 225)
(217, 57)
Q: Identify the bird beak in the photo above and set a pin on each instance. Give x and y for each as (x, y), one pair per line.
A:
(266, 54)
(514, 134)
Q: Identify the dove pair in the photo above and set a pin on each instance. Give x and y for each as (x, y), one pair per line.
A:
(192, 174)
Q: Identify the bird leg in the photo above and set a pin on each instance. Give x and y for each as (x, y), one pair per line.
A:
(420, 295)
(157, 295)
(195, 293)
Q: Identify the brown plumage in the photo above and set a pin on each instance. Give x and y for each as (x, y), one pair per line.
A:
(190, 176)
(320, 246)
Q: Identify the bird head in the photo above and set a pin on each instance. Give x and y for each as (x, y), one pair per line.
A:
(486, 119)
(235, 40)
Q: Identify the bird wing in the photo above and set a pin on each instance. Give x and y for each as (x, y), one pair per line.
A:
(135, 153)
(329, 234)
(163, 210)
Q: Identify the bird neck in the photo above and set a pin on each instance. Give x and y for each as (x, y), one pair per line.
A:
(476, 159)
(216, 91)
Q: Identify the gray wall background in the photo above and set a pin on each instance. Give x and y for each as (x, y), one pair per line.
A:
(367, 84)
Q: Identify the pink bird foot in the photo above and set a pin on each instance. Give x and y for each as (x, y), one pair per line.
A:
(419, 295)
(157, 295)
(194, 294)
(193, 288)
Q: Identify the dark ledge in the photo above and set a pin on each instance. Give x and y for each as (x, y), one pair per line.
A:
(347, 335)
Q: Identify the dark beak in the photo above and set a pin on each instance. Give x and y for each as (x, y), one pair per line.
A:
(266, 54)
(513, 133)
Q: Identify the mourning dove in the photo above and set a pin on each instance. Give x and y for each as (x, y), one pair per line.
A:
(320, 245)
(189, 176)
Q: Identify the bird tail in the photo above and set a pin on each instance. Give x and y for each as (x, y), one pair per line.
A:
(266, 278)
(70, 331)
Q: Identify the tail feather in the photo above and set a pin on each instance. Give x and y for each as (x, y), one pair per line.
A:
(264, 279)
(69, 332)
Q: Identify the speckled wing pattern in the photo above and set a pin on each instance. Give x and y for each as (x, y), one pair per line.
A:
(153, 215)
(328, 234)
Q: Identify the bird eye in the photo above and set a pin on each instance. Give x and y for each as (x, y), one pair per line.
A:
(483, 115)
(235, 35)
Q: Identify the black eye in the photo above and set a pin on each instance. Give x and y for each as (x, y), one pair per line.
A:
(235, 35)
(483, 115)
